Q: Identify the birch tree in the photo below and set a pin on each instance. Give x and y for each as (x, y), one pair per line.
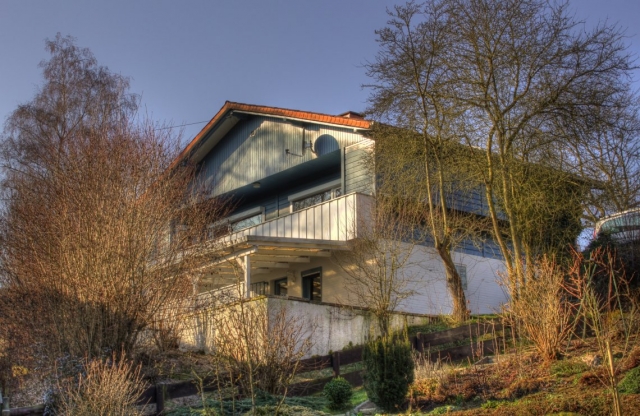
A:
(88, 260)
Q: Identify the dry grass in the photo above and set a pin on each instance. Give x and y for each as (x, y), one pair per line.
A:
(524, 384)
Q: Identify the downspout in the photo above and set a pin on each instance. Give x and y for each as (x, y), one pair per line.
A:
(343, 179)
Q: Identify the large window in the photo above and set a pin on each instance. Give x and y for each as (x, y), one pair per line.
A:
(315, 199)
(236, 222)
(312, 285)
(315, 195)
(246, 223)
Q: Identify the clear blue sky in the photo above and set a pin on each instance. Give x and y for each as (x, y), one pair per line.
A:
(186, 57)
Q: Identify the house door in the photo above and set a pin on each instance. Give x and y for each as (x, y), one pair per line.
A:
(312, 285)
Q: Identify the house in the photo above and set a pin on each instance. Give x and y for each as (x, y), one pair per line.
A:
(302, 191)
(622, 227)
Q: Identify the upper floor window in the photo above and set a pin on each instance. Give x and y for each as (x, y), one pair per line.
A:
(246, 223)
(315, 195)
(316, 199)
(236, 222)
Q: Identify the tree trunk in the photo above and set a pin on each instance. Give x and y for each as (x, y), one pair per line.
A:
(459, 311)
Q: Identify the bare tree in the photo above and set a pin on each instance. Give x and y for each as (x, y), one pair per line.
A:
(607, 150)
(384, 265)
(412, 91)
(256, 344)
(88, 255)
(516, 81)
(525, 68)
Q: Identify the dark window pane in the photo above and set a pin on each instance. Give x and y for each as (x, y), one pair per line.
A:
(312, 287)
(246, 223)
(280, 288)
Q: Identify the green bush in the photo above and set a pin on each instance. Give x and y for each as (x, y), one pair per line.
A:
(338, 392)
(631, 382)
(388, 371)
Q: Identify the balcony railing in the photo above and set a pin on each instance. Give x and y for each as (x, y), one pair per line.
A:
(230, 293)
(259, 289)
(334, 220)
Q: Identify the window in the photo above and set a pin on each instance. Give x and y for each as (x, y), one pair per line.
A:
(315, 195)
(246, 223)
(312, 285)
(462, 271)
(236, 222)
(316, 199)
(280, 287)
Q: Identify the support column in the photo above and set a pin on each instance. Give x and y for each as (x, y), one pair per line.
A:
(247, 276)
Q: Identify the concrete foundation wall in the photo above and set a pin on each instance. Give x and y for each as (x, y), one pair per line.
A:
(329, 327)
(334, 327)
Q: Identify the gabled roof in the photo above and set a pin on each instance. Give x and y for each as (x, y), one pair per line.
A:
(343, 120)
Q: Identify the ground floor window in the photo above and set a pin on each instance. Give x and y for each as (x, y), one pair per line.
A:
(312, 284)
(280, 287)
(462, 271)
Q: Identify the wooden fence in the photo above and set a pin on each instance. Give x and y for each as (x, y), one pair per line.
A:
(435, 344)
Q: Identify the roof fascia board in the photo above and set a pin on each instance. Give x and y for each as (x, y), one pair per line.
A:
(216, 133)
(301, 120)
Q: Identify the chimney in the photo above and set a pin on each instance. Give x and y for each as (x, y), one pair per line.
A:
(352, 114)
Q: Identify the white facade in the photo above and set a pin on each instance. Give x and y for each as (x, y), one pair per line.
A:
(304, 191)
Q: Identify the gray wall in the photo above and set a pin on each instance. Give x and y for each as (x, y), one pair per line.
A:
(357, 167)
(256, 148)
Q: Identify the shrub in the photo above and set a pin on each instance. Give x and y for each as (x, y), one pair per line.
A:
(388, 371)
(522, 387)
(284, 410)
(109, 387)
(542, 309)
(338, 392)
(491, 404)
(631, 382)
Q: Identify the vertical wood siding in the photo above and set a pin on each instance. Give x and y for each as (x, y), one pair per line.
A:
(256, 148)
(358, 175)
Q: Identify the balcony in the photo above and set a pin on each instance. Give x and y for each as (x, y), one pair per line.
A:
(294, 238)
(334, 220)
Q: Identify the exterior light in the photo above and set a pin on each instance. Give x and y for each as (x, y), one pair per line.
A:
(256, 185)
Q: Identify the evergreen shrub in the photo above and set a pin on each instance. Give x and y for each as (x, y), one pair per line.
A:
(338, 392)
(388, 370)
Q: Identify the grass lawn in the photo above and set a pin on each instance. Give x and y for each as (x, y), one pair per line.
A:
(314, 405)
